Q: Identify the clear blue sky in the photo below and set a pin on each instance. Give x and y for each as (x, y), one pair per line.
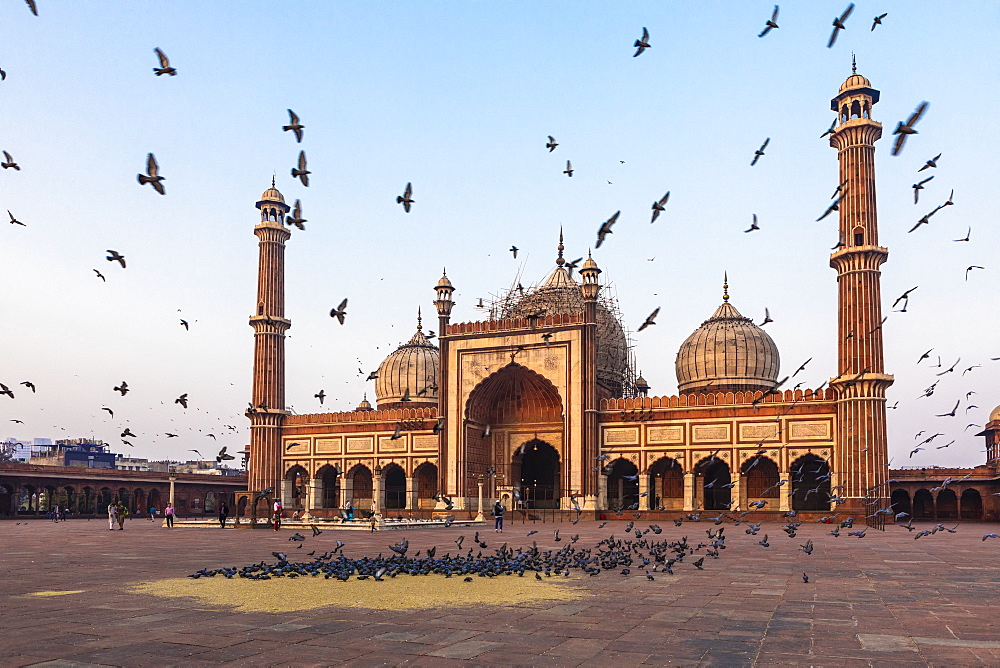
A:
(457, 98)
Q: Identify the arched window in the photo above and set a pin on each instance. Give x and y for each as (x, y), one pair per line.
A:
(843, 113)
(666, 485)
(855, 109)
(859, 236)
(810, 483)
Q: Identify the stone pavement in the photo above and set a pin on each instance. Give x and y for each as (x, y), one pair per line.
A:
(886, 599)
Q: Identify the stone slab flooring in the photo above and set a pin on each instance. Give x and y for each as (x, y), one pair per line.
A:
(885, 599)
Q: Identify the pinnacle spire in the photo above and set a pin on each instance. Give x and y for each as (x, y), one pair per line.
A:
(725, 287)
(272, 180)
(854, 64)
(420, 325)
(560, 248)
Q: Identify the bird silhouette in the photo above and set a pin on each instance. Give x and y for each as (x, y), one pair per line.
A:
(296, 218)
(917, 187)
(643, 43)
(13, 220)
(904, 130)
(32, 6)
(650, 319)
(294, 126)
(968, 235)
(185, 324)
(115, 256)
(605, 228)
(759, 152)
(930, 163)
(970, 268)
(551, 145)
(838, 24)
(123, 389)
(767, 317)
(753, 225)
(182, 400)
(771, 24)
(877, 21)
(405, 198)
(153, 178)
(164, 67)
(514, 249)
(569, 169)
(301, 172)
(659, 206)
(835, 206)
(340, 311)
(321, 395)
(8, 162)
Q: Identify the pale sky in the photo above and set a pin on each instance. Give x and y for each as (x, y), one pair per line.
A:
(458, 98)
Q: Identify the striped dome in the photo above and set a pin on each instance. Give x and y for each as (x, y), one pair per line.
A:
(413, 368)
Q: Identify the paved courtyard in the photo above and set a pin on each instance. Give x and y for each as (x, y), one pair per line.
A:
(886, 599)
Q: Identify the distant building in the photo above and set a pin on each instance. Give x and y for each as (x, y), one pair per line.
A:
(73, 452)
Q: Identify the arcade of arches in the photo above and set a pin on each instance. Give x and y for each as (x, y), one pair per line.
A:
(330, 490)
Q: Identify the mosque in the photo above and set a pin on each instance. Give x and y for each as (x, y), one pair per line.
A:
(539, 404)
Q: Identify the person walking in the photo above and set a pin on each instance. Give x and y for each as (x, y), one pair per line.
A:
(112, 515)
(168, 512)
(498, 511)
(152, 513)
(276, 515)
(122, 514)
(349, 507)
(223, 514)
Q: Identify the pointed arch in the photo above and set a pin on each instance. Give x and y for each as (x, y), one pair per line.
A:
(666, 484)
(514, 394)
(810, 483)
(623, 484)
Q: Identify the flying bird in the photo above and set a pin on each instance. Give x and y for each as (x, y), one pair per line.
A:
(6, 390)
(405, 199)
(569, 169)
(321, 395)
(903, 130)
(296, 218)
(917, 187)
(13, 220)
(32, 7)
(659, 206)
(830, 209)
(115, 256)
(3, 75)
(100, 276)
(643, 43)
(514, 249)
(187, 327)
(952, 412)
(802, 368)
(759, 152)
(829, 130)
(753, 226)
(970, 268)
(8, 162)
(28, 384)
(123, 388)
(164, 67)
(294, 126)
(905, 298)
(223, 456)
(339, 312)
(968, 235)
(301, 173)
(605, 229)
(650, 319)
(110, 412)
(767, 317)
(838, 24)
(182, 400)
(154, 179)
(551, 145)
(877, 21)
(771, 23)
(930, 163)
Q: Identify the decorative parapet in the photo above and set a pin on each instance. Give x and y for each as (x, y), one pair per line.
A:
(716, 399)
(507, 324)
(384, 415)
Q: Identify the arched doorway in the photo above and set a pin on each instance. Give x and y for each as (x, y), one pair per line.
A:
(538, 474)
(6, 501)
(329, 480)
(154, 500)
(923, 505)
(623, 485)
(760, 482)
(500, 404)
(210, 502)
(297, 482)
(87, 501)
(426, 475)
(138, 502)
(713, 482)
(361, 487)
(972, 504)
(900, 501)
(810, 483)
(947, 505)
(395, 486)
(666, 485)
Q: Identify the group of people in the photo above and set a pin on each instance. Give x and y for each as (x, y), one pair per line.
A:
(118, 512)
(57, 513)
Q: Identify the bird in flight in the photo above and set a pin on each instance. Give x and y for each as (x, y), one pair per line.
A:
(759, 152)
(924, 220)
(767, 317)
(838, 24)
(905, 298)
(551, 145)
(182, 400)
(154, 179)
(968, 235)
(13, 220)
(569, 169)
(659, 206)
(830, 209)
(802, 368)
(164, 67)
(294, 126)
(9, 163)
(605, 228)
(110, 412)
(930, 163)
(405, 199)
(6, 390)
(903, 130)
(952, 412)
(185, 325)
(771, 23)
(100, 276)
(877, 21)
(829, 130)
(223, 456)
(643, 43)
(296, 218)
(3, 75)
(917, 187)
(753, 225)
(301, 173)
(970, 268)
(321, 395)
(650, 319)
(32, 6)
(115, 256)
(339, 312)
(123, 389)
(514, 249)
(28, 384)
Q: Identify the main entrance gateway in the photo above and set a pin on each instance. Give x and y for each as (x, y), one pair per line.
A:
(537, 470)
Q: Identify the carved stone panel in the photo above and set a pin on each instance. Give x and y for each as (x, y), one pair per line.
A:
(701, 433)
(621, 436)
(425, 442)
(760, 431)
(672, 434)
(387, 444)
(360, 443)
(329, 445)
(296, 446)
(809, 431)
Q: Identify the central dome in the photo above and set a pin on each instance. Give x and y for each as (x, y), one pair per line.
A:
(560, 294)
(728, 353)
(410, 371)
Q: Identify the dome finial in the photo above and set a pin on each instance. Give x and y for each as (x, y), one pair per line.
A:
(854, 64)
(725, 286)
(559, 258)
(272, 180)
(420, 321)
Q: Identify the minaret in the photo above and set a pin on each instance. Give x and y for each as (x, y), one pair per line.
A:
(861, 464)
(444, 304)
(267, 412)
(590, 288)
